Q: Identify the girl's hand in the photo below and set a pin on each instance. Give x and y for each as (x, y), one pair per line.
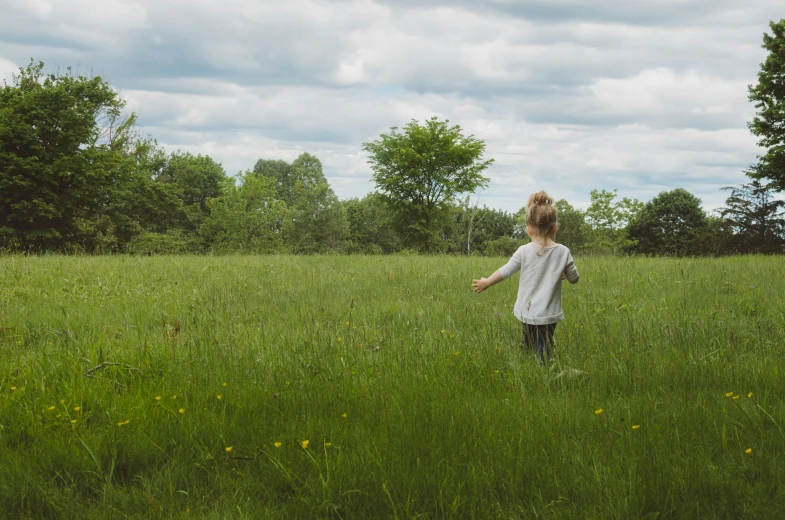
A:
(563, 276)
(479, 285)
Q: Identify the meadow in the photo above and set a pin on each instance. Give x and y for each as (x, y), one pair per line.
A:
(383, 387)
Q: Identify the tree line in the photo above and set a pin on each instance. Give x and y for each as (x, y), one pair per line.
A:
(75, 176)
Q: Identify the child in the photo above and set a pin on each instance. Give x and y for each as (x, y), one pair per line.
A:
(543, 265)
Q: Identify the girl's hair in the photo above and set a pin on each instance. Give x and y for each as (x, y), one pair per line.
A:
(541, 216)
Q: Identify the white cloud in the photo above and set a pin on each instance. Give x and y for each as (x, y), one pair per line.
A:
(665, 95)
(644, 96)
(92, 23)
(7, 70)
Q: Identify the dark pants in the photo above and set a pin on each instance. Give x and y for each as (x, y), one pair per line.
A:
(540, 339)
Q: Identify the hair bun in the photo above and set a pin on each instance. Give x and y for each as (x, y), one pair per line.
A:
(541, 198)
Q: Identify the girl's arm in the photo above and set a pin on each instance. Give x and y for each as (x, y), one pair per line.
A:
(483, 283)
(502, 274)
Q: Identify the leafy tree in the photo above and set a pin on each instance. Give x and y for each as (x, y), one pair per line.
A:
(315, 222)
(59, 141)
(134, 204)
(475, 227)
(769, 98)
(245, 218)
(669, 224)
(195, 180)
(755, 217)
(608, 219)
(370, 222)
(281, 174)
(715, 238)
(573, 229)
(421, 170)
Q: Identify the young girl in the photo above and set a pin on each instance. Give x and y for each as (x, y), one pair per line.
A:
(543, 265)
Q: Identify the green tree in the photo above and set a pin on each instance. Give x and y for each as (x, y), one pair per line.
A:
(245, 218)
(670, 224)
(607, 219)
(421, 170)
(60, 142)
(371, 229)
(475, 227)
(195, 180)
(756, 218)
(573, 229)
(715, 238)
(315, 221)
(769, 98)
(134, 204)
(281, 174)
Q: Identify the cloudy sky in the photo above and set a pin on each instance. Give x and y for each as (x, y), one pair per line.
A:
(569, 95)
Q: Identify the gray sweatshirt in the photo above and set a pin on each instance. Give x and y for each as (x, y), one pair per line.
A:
(539, 291)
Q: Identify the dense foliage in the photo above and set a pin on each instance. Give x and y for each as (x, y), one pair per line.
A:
(769, 98)
(420, 171)
(76, 177)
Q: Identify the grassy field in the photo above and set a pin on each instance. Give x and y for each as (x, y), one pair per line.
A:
(383, 387)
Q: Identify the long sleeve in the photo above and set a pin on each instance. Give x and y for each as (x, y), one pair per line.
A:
(513, 266)
(571, 271)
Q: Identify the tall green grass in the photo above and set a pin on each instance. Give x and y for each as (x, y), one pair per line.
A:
(412, 392)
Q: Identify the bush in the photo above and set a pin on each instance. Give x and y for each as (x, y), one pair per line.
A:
(160, 244)
(502, 246)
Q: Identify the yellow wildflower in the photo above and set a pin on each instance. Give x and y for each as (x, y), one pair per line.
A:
(347, 323)
(354, 327)
(328, 444)
(735, 397)
(305, 444)
(277, 444)
(228, 449)
(13, 389)
(219, 397)
(77, 408)
(749, 395)
(636, 426)
(73, 421)
(51, 408)
(174, 397)
(123, 423)
(345, 415)
(729, 394)
(57, 416)
(598, 411)
(443, 331)
(157, 397)
(458, 353)
(748, 451)
(339, 340)
(181, 410)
